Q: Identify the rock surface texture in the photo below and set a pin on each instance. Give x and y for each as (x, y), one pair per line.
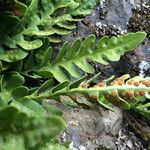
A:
(92, 129)
(98, 130)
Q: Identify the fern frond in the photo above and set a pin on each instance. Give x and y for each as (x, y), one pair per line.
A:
(20, 130)
(23, 124)
(122, 92)
(80, 53)
(35, 21)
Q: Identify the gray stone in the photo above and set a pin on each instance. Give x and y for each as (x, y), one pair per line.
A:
(112, 121)
(89, 129)
(92, 129)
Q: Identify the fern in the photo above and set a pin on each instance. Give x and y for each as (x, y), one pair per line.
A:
(16, 97)
(79, 54)
(23, 123)
(122, 92)
(34, 22)
(28, 75)
(18, 125)
(38, 64)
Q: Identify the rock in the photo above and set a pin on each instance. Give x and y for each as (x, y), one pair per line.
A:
(128, 141)
(89, 129)
(139, 126)
(112, 121)
(93, 129)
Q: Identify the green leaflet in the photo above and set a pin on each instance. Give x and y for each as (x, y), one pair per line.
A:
(12, 55)
(36, 20)
(10, 83)
(84, 7)
(79, 54)
(23, 123)
(20, 131)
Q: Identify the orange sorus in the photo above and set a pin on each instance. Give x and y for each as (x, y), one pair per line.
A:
(101, 84)
(112, 83)
(83, 84)
(147, 84)
(94, 96)
(123, 94)
(136, 83)
(142, 92)
(113, 93)
(129, 93)
(137, 93)
(16, 13)
(144, 81)
(108, 96)
(120, 83)
(95, 86)
(73, 97)
(130, 82)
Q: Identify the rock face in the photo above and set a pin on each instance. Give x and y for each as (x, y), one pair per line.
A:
(87, 129)
(92, 129)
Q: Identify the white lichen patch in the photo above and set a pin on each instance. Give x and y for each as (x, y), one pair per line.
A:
(143, 66)
(74, 123)
(63, 137)
(80, 147)
(102, 2)
(71, 146)
(105, 27)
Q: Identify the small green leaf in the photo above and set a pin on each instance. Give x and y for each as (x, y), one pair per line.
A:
(30, 45)
(20, 92)
(52, 109)
(12, 80)
(60, 86)
(46, 86)
(13, 55)
(67, 101)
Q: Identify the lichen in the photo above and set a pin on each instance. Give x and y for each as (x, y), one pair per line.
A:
(143, 66)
